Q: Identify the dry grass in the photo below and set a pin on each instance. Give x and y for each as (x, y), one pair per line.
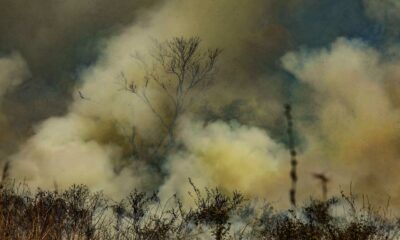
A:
(78, 214)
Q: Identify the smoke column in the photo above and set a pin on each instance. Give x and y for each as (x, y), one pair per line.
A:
(343, 89)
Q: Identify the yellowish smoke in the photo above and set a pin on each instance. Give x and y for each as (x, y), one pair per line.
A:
(356, 133)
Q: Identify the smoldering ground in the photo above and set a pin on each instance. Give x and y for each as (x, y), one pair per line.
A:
(343, 90)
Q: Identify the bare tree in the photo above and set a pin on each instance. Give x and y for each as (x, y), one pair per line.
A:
(182, 71)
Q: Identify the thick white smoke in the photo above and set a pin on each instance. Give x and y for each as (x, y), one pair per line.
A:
(356, 133)
(227, 155)
(84, 145)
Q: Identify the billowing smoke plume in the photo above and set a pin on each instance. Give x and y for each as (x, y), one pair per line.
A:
(355, 135)
(84, 145)
(230, 156)
(345, 100)
(56, 39)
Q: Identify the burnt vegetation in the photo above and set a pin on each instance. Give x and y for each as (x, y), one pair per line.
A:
(76, 213)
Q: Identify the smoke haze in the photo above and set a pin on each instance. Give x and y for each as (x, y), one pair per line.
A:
(66, 118)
